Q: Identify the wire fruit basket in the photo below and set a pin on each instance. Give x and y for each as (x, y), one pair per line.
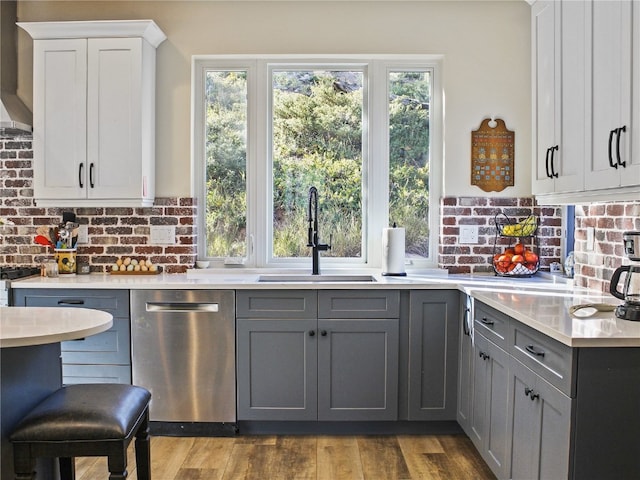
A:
(519, 259)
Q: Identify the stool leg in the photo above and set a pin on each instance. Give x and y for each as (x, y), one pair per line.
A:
(143, 455)
(23, 464)
(118, 466)
(67, 468)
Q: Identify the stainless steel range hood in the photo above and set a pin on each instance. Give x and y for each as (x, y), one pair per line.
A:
(15, 117)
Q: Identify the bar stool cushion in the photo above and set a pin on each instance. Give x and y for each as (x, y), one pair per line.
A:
(77, 413)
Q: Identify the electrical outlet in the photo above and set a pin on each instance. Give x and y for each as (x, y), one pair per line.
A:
(468, 234)
(162, 235)
(83, 234)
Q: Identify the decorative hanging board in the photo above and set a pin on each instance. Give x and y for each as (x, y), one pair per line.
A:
(492, 156)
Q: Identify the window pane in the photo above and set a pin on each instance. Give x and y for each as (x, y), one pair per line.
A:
(317, 141)
(226, 159)
(409, 99)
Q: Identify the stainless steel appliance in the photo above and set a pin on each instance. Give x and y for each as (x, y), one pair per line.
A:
(183, 351)
(630, 293)
(13, 273)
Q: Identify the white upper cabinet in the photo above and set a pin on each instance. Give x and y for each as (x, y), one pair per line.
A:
(94, 112)
(559, 96)
(612, 163)
(586, 87)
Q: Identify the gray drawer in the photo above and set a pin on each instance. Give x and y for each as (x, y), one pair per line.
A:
(358, 304)
(552, 360)
(115, 302)
(276, 304)
(73, 374)
(493, 324)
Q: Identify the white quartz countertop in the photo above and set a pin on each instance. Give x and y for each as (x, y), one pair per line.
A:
(541, 301)
(25, 326)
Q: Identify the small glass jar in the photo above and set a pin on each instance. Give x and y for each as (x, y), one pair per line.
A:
(51, 268)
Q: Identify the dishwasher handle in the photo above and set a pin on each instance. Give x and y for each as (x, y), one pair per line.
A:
(177, 307)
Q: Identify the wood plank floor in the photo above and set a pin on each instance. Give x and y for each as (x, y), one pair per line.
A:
(286, 457)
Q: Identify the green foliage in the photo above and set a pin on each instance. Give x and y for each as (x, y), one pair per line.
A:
(317, 141)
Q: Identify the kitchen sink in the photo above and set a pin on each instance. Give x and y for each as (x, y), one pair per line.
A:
(292, 278)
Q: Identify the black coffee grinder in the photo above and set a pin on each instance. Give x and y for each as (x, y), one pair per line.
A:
(630, 293)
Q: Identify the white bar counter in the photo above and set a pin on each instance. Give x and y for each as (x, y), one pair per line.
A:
(31, 367)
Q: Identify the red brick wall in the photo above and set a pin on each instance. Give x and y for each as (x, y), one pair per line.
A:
(595, 267)
(113, 232)
(481, 211)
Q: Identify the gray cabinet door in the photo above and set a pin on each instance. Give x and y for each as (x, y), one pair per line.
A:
(358, 369)
(277, 369)
(489, 415)
(465, 364)
(540, 418)
(433, 354)
(101, 358)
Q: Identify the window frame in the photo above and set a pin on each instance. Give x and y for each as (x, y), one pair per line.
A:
(375, 152)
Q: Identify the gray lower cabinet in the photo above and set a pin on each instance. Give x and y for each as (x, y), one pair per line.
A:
(490, 386)
(293, 365)
(540, 418)
(101, 358)
(433, 354)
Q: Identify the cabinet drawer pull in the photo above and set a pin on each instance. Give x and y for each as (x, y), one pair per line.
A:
(486, 321)
(534, 351)
(611, 164)
(534, 396)
(527, 391)
(484, 356)
(71, 302)
(619, 134)
(80, 168)
(312, 333)
(323, 333)
(465, 322)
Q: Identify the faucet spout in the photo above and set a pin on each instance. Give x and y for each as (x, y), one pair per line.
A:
(313, 233)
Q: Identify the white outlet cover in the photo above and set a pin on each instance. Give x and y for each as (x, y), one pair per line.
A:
(468, 234)
(83, 234)
(162, 235)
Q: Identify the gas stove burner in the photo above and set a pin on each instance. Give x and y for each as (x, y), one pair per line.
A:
(12, 273)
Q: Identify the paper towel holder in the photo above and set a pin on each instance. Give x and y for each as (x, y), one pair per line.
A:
(399, 269)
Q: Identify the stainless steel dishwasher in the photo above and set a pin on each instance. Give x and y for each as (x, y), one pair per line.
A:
(183, 352)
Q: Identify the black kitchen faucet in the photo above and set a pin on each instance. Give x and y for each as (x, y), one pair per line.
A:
(314, 237)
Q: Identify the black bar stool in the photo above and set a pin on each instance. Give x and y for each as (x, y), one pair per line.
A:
(85, 420)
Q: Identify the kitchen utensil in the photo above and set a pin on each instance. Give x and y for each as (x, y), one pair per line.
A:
(589, 309)
(42, 240)
(630, 293)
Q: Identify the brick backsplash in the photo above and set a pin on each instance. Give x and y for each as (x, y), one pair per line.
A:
(609, 220)
(113, 232)
(120, 232)
(481, 211)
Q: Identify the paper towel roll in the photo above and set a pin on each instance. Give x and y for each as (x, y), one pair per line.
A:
(393, 251)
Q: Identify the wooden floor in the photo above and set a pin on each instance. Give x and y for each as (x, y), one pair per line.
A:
(393, 457)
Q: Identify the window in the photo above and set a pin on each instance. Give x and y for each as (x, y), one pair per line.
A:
(366, 133)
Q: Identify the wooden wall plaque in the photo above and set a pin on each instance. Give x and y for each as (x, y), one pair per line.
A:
(492, 156)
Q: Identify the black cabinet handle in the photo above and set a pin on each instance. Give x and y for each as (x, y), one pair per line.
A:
(323, 333)
(484, 356)
(465, 322)
(534, 351)
(312, 333)
(91, 175)
(553, 171)
(527, 391)
(619, 134)
(486, 321)
(546, 162)
(71, 302)
(80, 168)
(611, 164)
(533, 396)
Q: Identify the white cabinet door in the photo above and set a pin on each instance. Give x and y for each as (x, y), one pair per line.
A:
(560, 96)
(114, 118)
(611, 93)
(60, 129)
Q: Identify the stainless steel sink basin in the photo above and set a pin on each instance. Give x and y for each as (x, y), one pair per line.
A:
(292, 278)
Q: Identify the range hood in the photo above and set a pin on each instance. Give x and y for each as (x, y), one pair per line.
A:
(15, 117)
